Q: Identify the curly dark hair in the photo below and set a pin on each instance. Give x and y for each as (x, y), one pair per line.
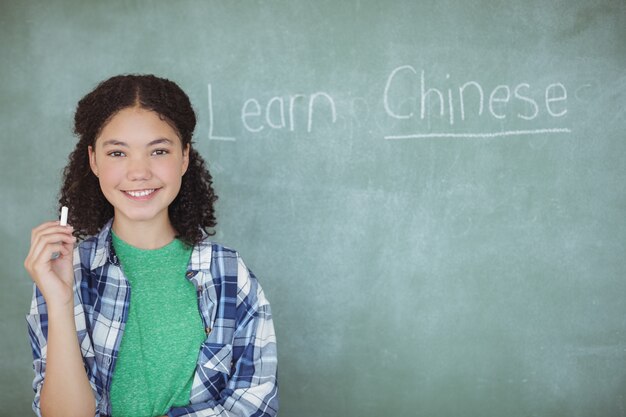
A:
(191, 212)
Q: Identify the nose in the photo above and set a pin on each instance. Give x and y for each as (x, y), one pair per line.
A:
(138, 169)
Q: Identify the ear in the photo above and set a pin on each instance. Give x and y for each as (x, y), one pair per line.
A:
(185, 159)
(92, 160)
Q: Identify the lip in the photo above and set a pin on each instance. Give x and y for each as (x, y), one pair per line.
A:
(141, 197)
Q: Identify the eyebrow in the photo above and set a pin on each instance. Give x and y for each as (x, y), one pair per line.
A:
(115, 142)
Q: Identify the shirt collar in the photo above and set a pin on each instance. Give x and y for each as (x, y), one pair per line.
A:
(201, 255)
(104, 247)
(105, 252)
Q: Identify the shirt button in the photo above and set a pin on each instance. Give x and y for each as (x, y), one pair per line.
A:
(190, 274)
(207, 330)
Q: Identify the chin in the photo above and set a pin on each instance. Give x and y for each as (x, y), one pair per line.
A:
(142, 216)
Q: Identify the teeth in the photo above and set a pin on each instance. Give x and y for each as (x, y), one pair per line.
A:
(142, 193)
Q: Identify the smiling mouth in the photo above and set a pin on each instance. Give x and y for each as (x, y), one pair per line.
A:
(141, 193)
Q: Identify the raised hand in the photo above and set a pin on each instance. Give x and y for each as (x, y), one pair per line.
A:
(53, 275)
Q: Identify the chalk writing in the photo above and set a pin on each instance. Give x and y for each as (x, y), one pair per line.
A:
(255, 117)
(410, 97)
(211, 122)
(498, 98)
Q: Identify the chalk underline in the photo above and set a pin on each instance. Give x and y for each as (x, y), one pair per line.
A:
(479, 135)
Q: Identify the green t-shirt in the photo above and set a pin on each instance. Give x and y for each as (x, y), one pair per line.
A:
(162, 337)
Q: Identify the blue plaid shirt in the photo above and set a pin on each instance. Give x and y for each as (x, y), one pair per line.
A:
(236, 368)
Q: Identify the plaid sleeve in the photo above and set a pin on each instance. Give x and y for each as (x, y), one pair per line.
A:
(250, 362)
(37, 321)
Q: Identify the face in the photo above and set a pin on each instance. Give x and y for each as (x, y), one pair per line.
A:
(140, 161)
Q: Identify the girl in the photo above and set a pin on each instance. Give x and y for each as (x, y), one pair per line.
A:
(145, 316)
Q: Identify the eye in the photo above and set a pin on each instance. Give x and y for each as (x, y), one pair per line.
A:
(116, 154)
(160, 152)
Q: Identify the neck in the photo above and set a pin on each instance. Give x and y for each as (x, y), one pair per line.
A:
(144, 235)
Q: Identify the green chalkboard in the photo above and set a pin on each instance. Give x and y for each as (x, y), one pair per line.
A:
(431, 192)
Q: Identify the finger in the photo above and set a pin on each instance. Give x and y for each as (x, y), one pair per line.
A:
(47, 244)
(49, 227)
(66, 250)
(45, 270)
(39, 262)
(42, 234)
(68, 247)
(45, 225)
(53, 253)
(52, 234)
(61, 230)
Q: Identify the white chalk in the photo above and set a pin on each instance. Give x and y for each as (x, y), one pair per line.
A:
(63, 221)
